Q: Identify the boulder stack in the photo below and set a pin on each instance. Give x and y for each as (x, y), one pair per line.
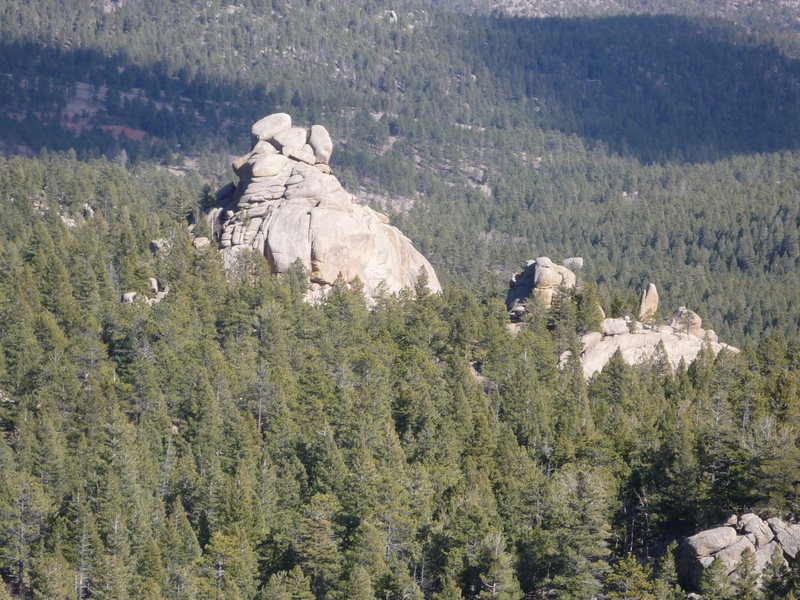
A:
(288, 206)
(541, 278)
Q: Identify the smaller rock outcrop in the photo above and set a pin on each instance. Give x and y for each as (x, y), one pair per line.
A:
(638, 342)
(680, 338)
(728, 543)
(154, 287)
(688, 321)
(160, 247)
(608, 327)
(574, 263)
(540, 279)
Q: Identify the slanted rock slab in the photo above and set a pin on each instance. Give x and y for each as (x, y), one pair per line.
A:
(752, 525)
(266, 128)
(710, 541)
(787, 534)
(732, 555)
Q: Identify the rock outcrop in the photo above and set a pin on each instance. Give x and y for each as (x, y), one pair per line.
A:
(680, 338)
(157, 293)
(688, 321)
(288, 206)
(540, 278)
(574, 263)
(729, 542)
(639, 342)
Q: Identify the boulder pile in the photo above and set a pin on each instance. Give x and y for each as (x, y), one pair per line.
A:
(289, 206)
(156, 293)
(729, 542)
(541, 278)
(680, 337)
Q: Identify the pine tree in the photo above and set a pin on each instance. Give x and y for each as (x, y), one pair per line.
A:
(628, 580)
(746, 585)
(666, 585)
(4, 593)
(579, 502)
(448, 589)
(181, 553)
(775, 577)
(24, 511)
(715, 583)
(497, 578)
(589, 314)
(358, 585)
(317, 543)
(228, 567)
(287, 585)
(52, 277)
(52, 577)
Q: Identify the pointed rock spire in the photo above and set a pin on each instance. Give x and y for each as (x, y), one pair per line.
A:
(649, 303)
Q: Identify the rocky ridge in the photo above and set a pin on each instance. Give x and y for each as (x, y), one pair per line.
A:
(678, 338)
(681, 338)
(290, 207)
(729, 542)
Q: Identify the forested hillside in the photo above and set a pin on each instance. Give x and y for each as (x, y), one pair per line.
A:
(772, 14)
(234, 442)
(660, 148)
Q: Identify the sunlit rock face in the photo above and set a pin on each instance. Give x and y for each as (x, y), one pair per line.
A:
(290, 207)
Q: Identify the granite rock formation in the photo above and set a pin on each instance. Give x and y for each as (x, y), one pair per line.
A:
(680, 338)
(288, 206)
(649, 303)
(729, 542)
(638, 342)
(541, 278)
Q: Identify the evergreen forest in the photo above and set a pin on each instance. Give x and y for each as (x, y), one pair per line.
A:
(234, 442)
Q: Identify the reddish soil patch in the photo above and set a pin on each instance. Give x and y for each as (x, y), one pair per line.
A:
(119, 130)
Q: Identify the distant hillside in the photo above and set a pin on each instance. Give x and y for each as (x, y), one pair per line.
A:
(157, 79)
(772, 13)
